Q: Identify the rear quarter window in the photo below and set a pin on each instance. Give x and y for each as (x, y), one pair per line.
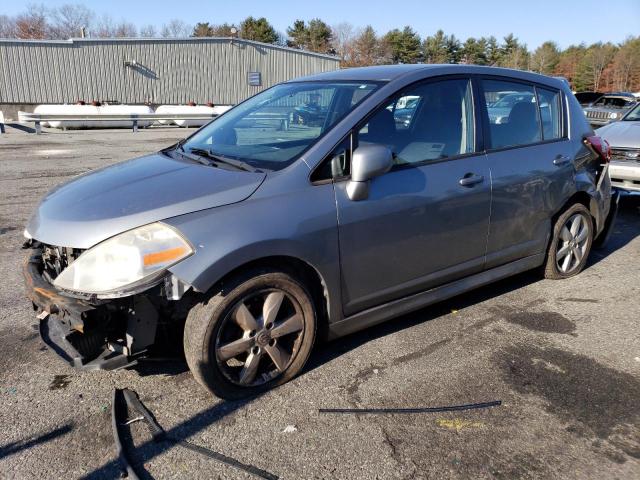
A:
(550, 113)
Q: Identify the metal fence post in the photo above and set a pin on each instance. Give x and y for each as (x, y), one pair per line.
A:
(135, 122)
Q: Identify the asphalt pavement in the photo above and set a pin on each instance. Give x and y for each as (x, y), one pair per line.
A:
(563, 357)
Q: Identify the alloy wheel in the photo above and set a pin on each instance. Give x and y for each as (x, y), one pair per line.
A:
(572, 244)
(259, 338)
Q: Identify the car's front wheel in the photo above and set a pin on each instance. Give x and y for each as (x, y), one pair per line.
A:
(571, 243)
(253, 334)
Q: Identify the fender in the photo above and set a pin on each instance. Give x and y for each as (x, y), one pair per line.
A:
(301, 224)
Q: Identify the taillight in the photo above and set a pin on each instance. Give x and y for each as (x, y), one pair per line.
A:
(601, 147)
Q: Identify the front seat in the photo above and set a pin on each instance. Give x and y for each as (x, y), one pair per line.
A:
(437, 132)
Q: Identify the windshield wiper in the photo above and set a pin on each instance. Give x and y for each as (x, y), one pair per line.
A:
(217, 159)
(180, 144)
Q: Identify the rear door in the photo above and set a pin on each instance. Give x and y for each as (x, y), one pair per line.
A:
(529, 154)
(426, 221)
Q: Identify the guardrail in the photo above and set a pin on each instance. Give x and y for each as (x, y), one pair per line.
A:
(1, 122)
(38, 118)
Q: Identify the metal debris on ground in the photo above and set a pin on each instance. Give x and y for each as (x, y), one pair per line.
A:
(451, 408)
(141, 413)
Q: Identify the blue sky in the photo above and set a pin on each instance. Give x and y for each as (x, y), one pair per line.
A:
(566, 22)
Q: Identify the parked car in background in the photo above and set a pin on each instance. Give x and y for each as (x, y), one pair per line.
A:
(311, 112)
(499, 110)
(587, 98)
(404, 110)
(610, 107)
(244, 243)
(624, 139)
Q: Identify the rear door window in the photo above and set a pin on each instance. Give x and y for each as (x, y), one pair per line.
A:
(513, 113)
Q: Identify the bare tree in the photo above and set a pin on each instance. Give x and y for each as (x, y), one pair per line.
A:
(148, 31)
(68, 21)
(32, 23)
(126, 29)
(626, 65)
(107, 28)
(596, 60)
(175, 29)
(104, 27)
(342, 40)
(545, 58)
(7, 27)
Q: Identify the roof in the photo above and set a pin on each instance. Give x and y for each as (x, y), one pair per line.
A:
(386, 73)
(81, 41)
(378, 73)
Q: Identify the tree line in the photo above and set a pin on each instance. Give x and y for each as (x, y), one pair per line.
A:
(600, 66)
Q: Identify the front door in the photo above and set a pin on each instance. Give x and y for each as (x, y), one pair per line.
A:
(426, 221)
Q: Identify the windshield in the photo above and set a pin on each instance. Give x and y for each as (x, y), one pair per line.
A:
(633, 114)
(269, 131)
(617, 102)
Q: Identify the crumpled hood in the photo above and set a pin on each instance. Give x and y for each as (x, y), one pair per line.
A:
(97, 205)
(622, 134)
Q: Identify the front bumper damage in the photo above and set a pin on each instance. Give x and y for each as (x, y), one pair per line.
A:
(89, 334)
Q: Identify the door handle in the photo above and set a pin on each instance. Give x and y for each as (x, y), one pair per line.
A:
(470, 179)
(560, 160)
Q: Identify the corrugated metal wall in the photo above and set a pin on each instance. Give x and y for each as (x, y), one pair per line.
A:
(172, 71)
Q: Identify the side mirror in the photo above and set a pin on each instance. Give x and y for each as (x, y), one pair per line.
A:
(368, 161)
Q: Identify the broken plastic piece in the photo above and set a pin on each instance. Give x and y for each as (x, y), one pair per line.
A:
(157, 432)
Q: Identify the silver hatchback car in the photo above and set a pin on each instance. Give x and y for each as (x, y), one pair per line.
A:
(268, 229)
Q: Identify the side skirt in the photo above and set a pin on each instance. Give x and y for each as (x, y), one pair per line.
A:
(382, 313)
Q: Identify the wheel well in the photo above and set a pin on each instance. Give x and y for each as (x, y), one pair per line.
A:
(579, 197)
(300, 270)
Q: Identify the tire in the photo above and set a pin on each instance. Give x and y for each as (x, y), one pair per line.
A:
(568, 249)
(253, 334)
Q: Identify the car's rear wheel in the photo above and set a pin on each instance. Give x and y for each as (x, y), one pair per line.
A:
(255, 333)
(571, 243)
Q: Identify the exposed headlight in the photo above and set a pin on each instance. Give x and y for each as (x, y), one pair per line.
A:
(613, 115)
(129, 259)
